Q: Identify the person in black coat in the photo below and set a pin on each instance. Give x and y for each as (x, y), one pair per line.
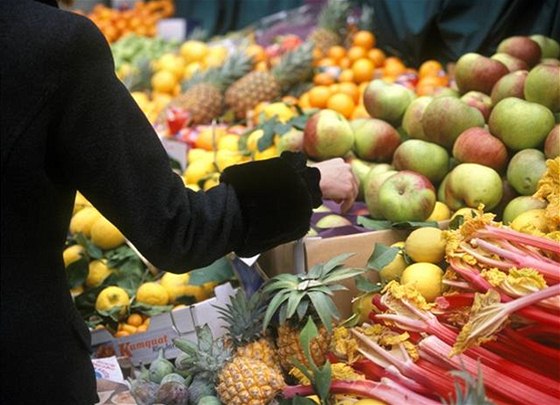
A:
(66, 124)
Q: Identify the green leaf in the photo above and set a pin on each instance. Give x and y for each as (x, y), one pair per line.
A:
(220, 271)
(373, 224)
(322, 384)
(336, 261)
(85, 302)
(302, 309)
(92, 251)
(321, 304)
(414, 224)
(365, 285)
(382, 255)
(293, 302)
(281, 129)
(306, 335)
(299, 121)
(77, 272)
(114, 313)
(342, 274)
(267, 139)
(186, 300)
(273, 306)
(150, 310)
(458, 220)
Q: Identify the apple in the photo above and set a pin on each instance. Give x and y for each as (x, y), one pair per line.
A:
(552, 143)
(445, 92)
(327, 134)
(508, 194)
(291, 141)
(550, 48)
(360, 168)
(427, 158)
(371, 191)
(512, 63)
(387, 101)
(525, 169)
(520, 124)
(521, 47)
(543, 86)
(441, 188)
(480, 101)
(472, 184)
(374, 140)
(477, 72)
(477, 145)
(446, 117)
(322, 208)
(332, 221)
(511, 85)
(550, 61)
(412, 119)
(519, 205)
(406, 196)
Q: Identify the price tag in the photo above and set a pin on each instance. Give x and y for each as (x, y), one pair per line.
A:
(176, 151)
(172, 29)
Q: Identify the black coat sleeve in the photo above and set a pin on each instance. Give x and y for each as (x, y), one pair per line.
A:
(111, 153)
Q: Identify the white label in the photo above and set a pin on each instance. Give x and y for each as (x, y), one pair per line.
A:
(172, 29)
(176, 151)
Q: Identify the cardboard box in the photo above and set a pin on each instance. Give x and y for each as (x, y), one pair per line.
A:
(144, 347)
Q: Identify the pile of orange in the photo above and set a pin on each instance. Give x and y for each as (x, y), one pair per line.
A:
(141, 19)
(432, 76)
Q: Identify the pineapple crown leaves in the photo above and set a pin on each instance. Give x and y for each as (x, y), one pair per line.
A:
(308, 294)
(244, 317)
(333, 15)
(294, 66)
(205, 357)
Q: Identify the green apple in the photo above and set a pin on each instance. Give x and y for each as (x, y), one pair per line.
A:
(371, 191)
(387, 101)
(332, 221)
(520, 204)
(550, 48)
(360, 168)
(525, 169)
(327, 134)
(427, 158)
(412, 119)
(543, 86)
(472, 184)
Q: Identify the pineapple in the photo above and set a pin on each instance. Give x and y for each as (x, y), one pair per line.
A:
(203, 94)
(244, 318)
(238, 380)
(298, 296)
(330, 25)
(294, 68)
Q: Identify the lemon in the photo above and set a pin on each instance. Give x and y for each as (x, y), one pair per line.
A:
(229, 142)
(193, 187)
(191, 69)
(441, 212)
(530, 221)
(112, 297)
(106, 235)
(212, 181)
(164, 81)
(141, 99)
(152, 293)
(83, 220)
(426, 278)
(193, 51)
(80, 202)
(369, 401)
(279, 110)
(197, 170)
(195, 154)
(177, 285)
(253, 139)
(426, 244)
(226, 158)
(171, 63)
(72, 254)
(76, 291)
(268, 153)
(97, 272)
(393, 270)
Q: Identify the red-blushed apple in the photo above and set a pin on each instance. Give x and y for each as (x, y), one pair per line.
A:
(521, 47)
(471, 184)
(482, 102)
(552, 143)
(446, 117)
(412, 119)
(512, 63)
(327, 134)
(519, 205)
(520, 124)
(477, 72)
(543, 86)
(332, 221)
(427, 158)
(525, 169)
(373, 183)
(374, 140)
(445, 92)
(360, 168)
(477, 145)
(550, 48)
(291, 141)
(406, 196)
(511, 85)
(387, 101)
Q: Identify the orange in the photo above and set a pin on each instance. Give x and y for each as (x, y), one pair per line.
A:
(318, 96)
(261, 66)
(135, 320)
(303, 101)
(326, 62)
(121, 333)
(334, 88)
(377, 56)
(360, 112)
(356, 52)
(323, 78)
(336, 53)
(393, 67)
(430, 68)
(364, 39)
(363, 70)
(351, 89)
(427, 85)
(346, 76)
(317, 55)
(342, 103)
(344, 63)
(257, 52)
